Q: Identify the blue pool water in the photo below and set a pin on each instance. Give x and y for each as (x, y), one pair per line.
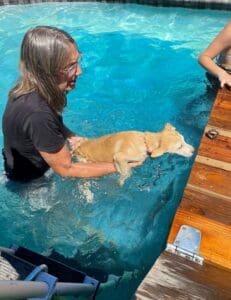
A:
(140, 71)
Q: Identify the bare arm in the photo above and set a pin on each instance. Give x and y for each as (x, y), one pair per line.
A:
(220, 43)
(62, 164)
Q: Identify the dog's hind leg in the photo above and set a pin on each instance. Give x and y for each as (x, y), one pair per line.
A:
(122, 167)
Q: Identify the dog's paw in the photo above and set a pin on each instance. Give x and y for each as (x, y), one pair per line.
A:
(121, 181)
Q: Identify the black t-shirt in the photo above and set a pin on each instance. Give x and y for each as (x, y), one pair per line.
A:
(30, 126)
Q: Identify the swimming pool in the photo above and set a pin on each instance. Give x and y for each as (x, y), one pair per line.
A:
(139, 72)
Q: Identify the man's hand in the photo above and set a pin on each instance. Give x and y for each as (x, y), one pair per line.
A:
(75, 141)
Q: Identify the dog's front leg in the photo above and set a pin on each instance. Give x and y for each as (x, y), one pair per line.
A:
(122, 167)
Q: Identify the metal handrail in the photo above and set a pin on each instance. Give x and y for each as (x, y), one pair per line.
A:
(18, 289)
(75, 289)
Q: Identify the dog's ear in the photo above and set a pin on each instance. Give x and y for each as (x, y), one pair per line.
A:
(162, 147)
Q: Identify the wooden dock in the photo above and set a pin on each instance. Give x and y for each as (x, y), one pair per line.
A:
(206, 208)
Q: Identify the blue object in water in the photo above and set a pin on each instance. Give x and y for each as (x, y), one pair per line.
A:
(22, 260)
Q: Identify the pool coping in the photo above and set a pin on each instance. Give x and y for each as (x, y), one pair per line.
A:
(198, 4)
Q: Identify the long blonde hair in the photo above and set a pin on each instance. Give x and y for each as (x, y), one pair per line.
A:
(44, 52)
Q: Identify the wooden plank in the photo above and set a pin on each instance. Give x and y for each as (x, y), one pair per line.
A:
(221, 118)
(210, 179)
(216, 236)
(221, 112)
(173, 277)
(223, 102)
(218, 149)
(223, 95)
(221, 131)
(207, 205)
(213, 163)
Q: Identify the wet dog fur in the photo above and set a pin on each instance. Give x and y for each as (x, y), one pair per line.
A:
(132, 146)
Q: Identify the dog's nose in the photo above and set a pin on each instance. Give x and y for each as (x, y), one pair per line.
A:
(190, 150)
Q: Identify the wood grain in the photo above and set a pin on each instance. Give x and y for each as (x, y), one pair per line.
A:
(172, 277)
(218, 149)
(210, 178)
(207, 205)
(216, 236)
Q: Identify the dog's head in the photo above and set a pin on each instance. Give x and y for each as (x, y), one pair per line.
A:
(168, 141)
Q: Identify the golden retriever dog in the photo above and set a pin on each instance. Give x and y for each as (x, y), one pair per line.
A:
(132, 146)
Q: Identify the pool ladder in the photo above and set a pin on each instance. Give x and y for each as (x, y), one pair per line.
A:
(37, 282)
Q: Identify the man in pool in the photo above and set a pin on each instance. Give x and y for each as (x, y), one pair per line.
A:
(219, 48)
(35, 137)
